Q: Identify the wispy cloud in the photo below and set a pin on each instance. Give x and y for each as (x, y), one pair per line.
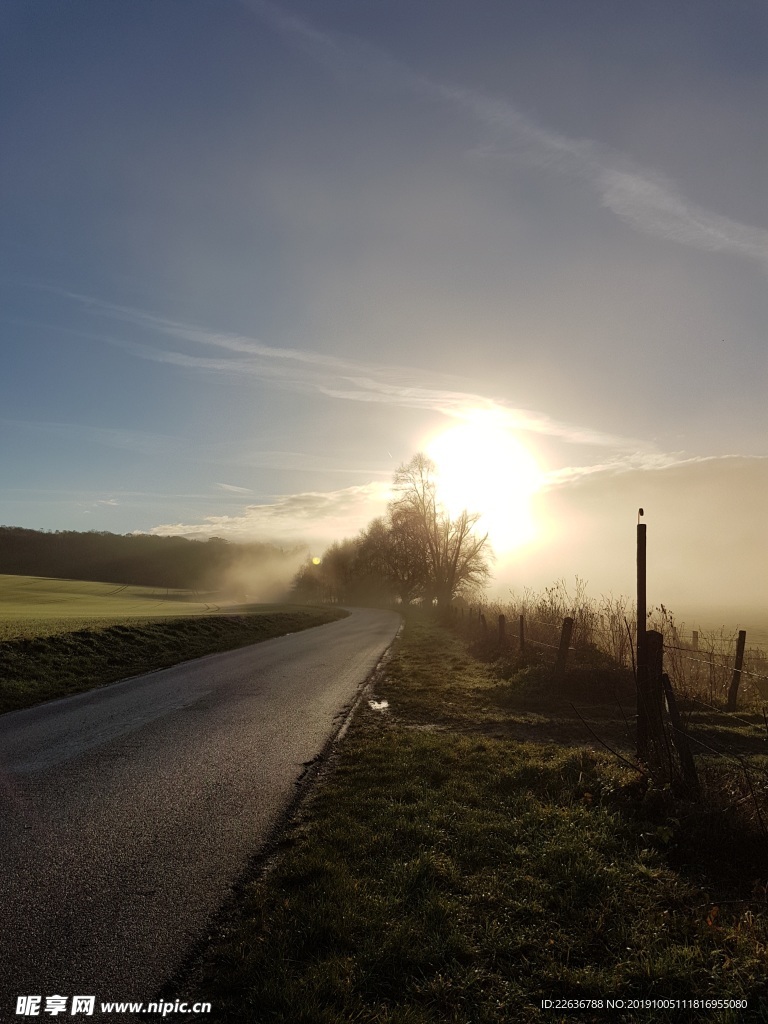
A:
(316, 518)
(303, 370)
(646, 461)
(234, 489)
(310, 517)
(652, 203)
(643, 198)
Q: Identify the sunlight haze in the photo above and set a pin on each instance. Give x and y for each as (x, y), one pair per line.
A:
(483, 466)
(257, 255)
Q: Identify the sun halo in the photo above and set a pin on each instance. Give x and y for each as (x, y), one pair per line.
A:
(483, 467)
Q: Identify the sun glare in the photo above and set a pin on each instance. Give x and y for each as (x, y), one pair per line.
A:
(483, 467)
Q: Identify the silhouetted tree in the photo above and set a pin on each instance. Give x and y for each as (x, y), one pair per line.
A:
(394, 558)
(456, 559)
(415, 552)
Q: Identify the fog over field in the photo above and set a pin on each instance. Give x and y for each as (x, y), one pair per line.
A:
(705, 537)
(257, 255)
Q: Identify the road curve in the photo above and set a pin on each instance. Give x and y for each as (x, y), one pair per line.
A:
(126, 813)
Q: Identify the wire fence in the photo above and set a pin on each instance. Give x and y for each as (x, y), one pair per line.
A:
(699, 662)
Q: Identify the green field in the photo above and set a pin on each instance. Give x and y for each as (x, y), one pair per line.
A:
(60, 637)
(39, 606)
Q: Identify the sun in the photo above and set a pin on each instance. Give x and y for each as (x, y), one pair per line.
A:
(483, 467)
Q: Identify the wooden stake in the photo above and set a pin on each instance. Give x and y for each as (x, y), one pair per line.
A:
(562, 653)
(680, 739)
(733, 692)
(642, 655)
(654, 645)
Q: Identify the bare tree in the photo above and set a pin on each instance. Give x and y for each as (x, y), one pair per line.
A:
(416, 551)
(393, 551)
(455, 558)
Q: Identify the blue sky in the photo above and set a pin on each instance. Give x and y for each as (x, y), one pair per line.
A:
(256, 255)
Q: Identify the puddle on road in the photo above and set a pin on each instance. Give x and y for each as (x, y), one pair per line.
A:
(378, 705)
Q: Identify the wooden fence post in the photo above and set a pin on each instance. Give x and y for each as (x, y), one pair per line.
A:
(654, 689)
(562, 652)
(522, 635)
(711, 677)
(502, 630)
(733, 692)
(483, 623)
(642, 658)
(680, 740)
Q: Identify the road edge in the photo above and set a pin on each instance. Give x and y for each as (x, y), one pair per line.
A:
(184, 983)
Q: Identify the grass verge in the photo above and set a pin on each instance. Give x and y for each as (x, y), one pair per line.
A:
(447, 872)
(39, 668)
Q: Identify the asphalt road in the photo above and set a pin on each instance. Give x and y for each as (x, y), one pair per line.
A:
(126, 813)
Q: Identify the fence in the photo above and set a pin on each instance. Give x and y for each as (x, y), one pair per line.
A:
(714, 664)
(668, 662)
(700, 663)
(675, 726)
(495, 629)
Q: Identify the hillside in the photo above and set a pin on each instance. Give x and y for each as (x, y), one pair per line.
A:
(143, 560)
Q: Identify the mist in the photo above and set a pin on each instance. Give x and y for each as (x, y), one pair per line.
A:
(706, 538)
(259, 577)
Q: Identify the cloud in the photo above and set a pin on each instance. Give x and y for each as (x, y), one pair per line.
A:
(307, 371)
(235, 489)
(644, 199)
(313, 517)
(624, 463)
(653, 204)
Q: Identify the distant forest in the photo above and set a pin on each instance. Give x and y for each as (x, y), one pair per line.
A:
(137, 559)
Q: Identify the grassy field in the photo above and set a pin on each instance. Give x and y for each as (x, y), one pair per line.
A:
(471, 851)
(59, 637)
(37, 606)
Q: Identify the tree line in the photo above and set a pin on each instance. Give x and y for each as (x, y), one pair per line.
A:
(136, 559)
(416, 552)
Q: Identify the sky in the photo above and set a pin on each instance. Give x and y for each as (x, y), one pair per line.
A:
(254, 256)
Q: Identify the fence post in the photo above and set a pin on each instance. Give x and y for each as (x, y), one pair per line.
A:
(680, 740)
(695, 640)
(562, 652)
(734, 688)
(483, 623)
(642, 658)
(522, 635)
(654, 690)
(502, 630)
(711, 677)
